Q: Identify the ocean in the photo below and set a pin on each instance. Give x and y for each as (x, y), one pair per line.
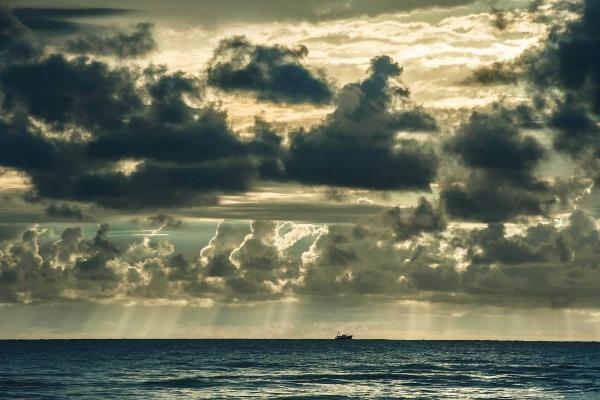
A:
(297, 369)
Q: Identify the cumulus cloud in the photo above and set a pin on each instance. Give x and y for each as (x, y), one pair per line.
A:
(215, 256)
(481, 200)
(32, 271)
(259, 263)
(136, 43)
(547, 264)
(568, 67)
(561, 72)
(493, 142)
(356, 146)
(500, 160)
(184, 155)
(80, 91)
(72, 170)
(365, 260)
(273, 73)
(180, 150)
(401, 255)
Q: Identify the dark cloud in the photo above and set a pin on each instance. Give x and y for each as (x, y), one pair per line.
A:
(127, 138)
(64, 170)
(186, 155)
(188, 152)
(578, 132)
(80, 91)
(153, 185)
(483, 200)
(64, 211)
(563, 71)
(267, 148)
(16, 41)
(493, 142)
(347, 162)
(500, 160)
(208, 138)
(60, 20)
(577, 63)
(273, 73)
(356, 146)
(564, 68)
(24, 147)
(136, 43)
(168, 92)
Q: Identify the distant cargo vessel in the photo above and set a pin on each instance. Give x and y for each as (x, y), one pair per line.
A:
(343, 337)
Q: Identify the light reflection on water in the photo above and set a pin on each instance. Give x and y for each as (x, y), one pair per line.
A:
(165, 369)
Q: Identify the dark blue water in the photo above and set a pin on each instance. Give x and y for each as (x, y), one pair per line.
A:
(195, 369)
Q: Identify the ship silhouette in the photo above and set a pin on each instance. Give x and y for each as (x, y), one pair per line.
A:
(342, 336)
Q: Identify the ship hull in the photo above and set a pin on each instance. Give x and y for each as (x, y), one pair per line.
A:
(344, 337)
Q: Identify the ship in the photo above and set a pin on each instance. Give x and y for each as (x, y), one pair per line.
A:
(342, 336)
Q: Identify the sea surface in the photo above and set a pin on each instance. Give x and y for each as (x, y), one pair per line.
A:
(298, 369)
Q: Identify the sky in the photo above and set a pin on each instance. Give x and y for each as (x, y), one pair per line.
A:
(394, 169)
